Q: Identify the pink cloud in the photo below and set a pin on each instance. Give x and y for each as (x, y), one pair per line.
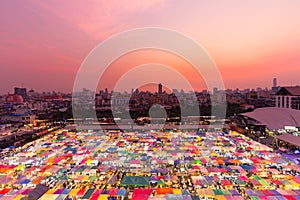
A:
(100, 18)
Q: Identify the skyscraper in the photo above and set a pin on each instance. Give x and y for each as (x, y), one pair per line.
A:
(274, 82)
(159, 88)
(275, 87)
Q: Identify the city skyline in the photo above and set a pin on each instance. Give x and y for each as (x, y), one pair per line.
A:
(151, 87)
(44, 43)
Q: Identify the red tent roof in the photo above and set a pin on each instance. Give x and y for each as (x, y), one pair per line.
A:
(81, 192)
(5, 190)
(164, 191)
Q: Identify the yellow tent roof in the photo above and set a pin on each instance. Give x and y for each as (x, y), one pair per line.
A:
(19, 197)
(220, 197)
(103, 197)
(20, 167)
(49, 197)
(177, 191)
(88, 161)
(86, 178)
(73, 192)
(51, 191)
(294, 183)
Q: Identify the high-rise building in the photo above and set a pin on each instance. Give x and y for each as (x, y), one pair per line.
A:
(21, 92)
(275, 88)
(274, 82)
(159, 88)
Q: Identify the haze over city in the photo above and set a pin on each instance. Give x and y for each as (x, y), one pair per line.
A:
(43, 43)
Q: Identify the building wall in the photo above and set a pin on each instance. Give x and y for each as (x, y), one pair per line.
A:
(287, 101)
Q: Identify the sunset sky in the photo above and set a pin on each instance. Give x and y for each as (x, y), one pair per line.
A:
(44, 42)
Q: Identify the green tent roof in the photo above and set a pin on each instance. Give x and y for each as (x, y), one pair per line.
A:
(254, 198)
(135, 181)
(160, 182)
(240, 182)
(218, 192)
(256, 177)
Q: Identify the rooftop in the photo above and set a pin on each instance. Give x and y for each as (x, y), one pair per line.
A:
(292, 90)
(275, 118)
(289, 138)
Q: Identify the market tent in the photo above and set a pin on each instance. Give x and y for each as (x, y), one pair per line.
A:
(220, 197)
(113, 192)
(140, 196)
(185, 192)
(250, 192)
(66, 191)
(164, 190)
(19, 197)
(88, 193)
(7, 197)
(37, 192)
(160, 182)
(247, 167)
(218, 192)
(226, 182)
(13, 192)
(121, 192)
(112, 180)
(142, 191)
(58, 191)
(103, 197)
(105, 191)
(234, 198)
(135, 181)
(96, 194)
(234, 192)
(81, 192)
(37, 180)
(258, 193)
(61, 197)
(25, 191)
(178, 197)
(73, 192)
(26, 181)
(177, 191)
(49, 197)
(274, 193)
(206, 192)
(4, 191)
(267, 193)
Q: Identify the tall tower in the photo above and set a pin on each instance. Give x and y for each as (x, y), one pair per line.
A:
(274, 82)
(159, 88)
(275, 87)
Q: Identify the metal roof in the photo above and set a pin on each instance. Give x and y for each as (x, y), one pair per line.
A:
(275, 118)
(289, 138)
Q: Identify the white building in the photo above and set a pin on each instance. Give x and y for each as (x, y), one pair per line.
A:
(288, 97)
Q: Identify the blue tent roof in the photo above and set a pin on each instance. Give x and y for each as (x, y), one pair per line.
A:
(66, 191)
(247, 167)
(26, 181)
(121, 192)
